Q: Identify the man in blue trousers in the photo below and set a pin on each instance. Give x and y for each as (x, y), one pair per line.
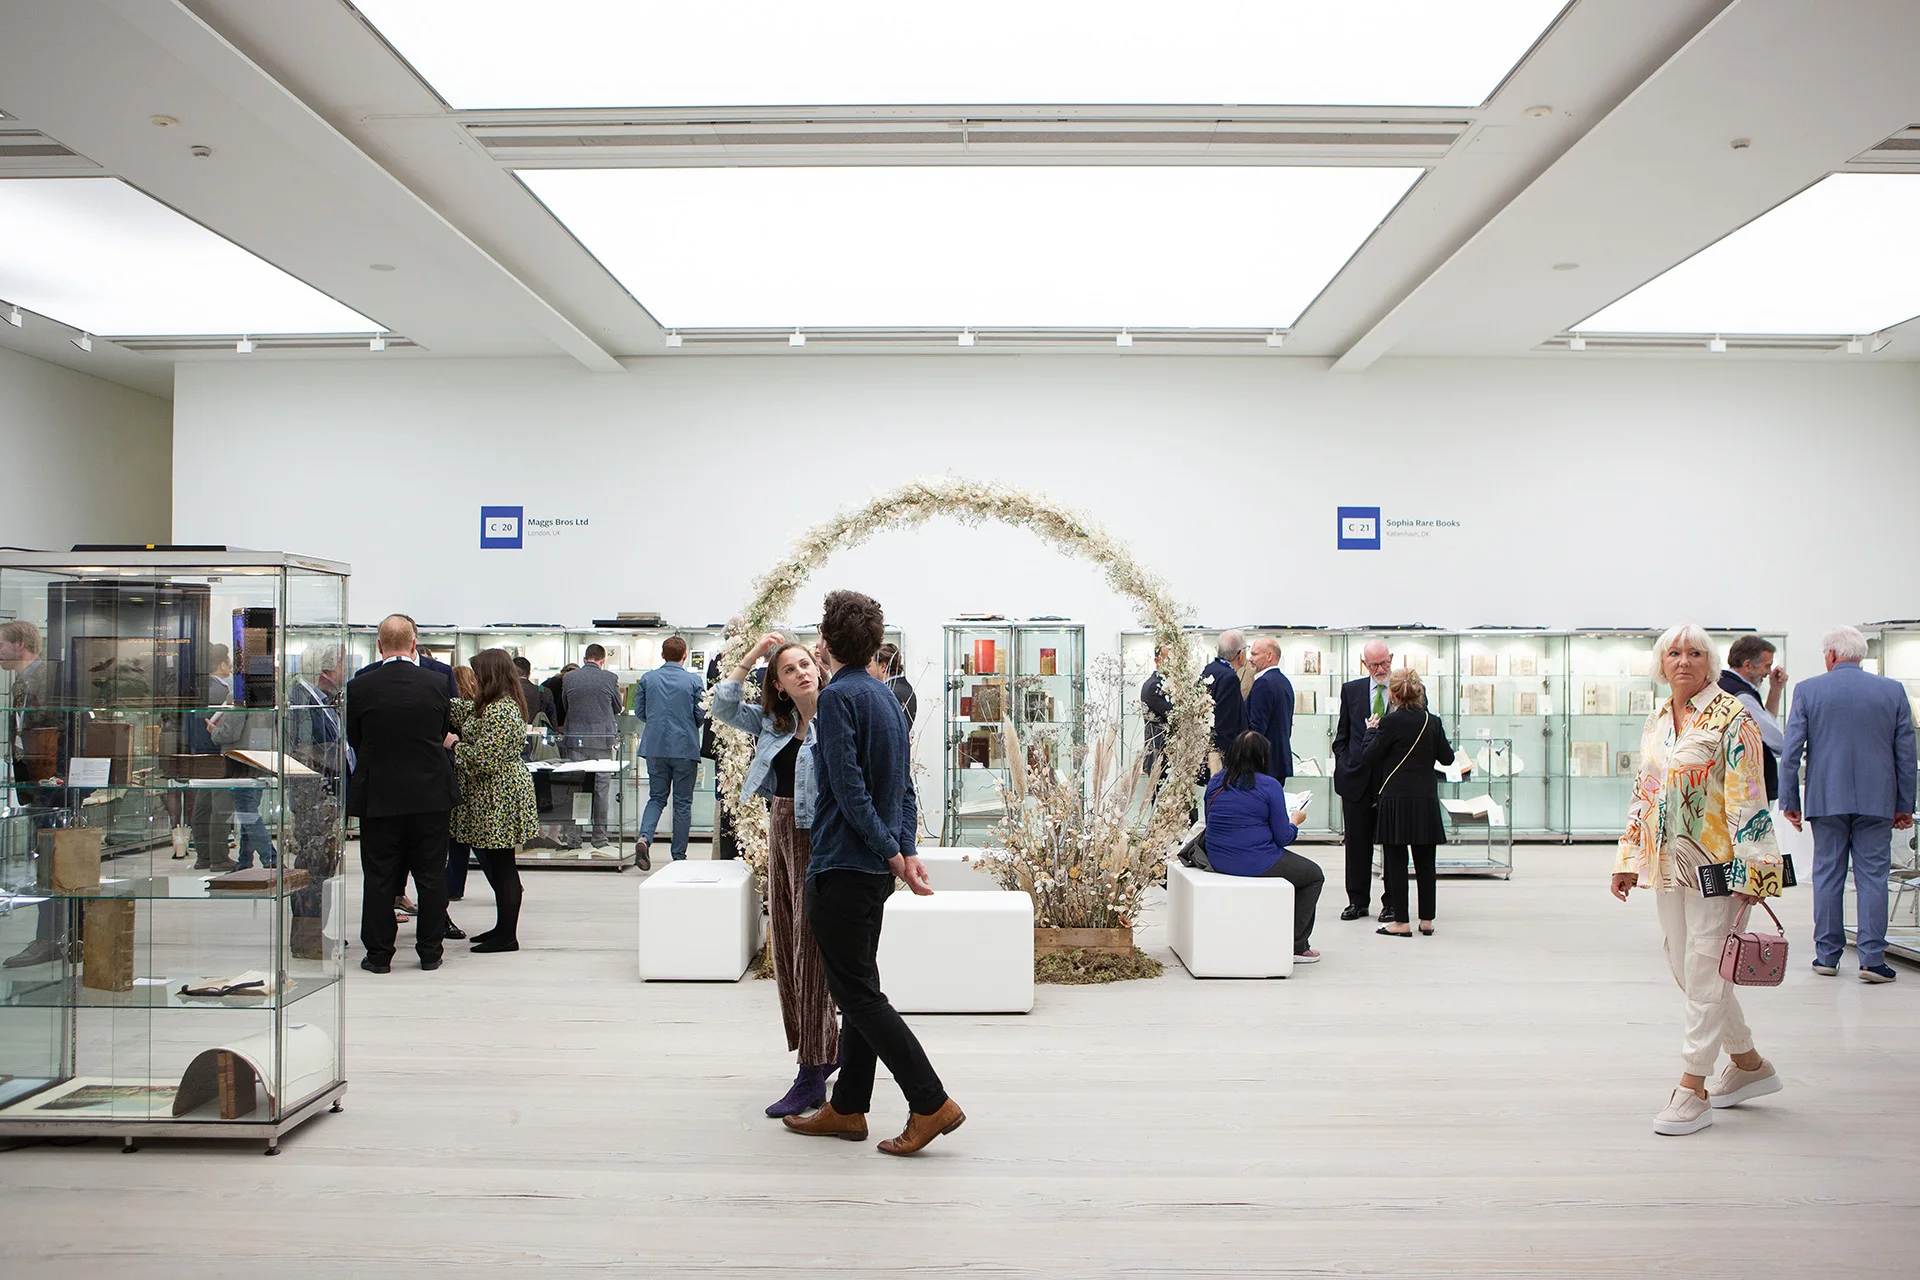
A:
(1856, 732)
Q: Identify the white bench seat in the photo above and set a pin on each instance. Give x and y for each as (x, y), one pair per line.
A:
(699, 922)
(1230, 926)
(964, 952)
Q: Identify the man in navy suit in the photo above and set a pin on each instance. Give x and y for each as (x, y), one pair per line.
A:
(1221, 678)
(1856, 732)
(1270, 706)
(1362, 703)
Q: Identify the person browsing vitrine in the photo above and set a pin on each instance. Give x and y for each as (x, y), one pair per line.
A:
(1399, 758)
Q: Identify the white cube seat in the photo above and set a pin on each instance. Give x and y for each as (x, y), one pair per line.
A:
(949, 873)
(958, 952)
(1230, 926)
(699, 922)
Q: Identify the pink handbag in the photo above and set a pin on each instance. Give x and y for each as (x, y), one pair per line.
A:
(1755, 959)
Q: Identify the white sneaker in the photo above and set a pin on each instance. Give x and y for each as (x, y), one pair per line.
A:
(1734, 1086)
(1309, 956)
(1686, 1112)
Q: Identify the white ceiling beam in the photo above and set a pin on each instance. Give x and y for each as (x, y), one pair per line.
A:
(1658, 179)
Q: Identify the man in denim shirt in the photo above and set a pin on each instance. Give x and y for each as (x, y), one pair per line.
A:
(864, 826)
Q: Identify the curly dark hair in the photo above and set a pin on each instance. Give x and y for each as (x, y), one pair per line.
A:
(853, 626)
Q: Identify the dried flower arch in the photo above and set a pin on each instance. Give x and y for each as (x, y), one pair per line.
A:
(971, 503)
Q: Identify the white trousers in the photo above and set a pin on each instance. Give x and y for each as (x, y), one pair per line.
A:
(1694, 929)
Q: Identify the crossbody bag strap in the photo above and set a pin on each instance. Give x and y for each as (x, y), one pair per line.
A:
(1425, 716)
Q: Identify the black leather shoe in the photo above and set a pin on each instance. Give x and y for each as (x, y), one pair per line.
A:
(454, 931)
(430, 965)
(491, 945)
(1351, 912)
(375, 966)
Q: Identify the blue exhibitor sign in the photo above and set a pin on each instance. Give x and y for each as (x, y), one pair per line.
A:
(1359, 529)
(502, 528)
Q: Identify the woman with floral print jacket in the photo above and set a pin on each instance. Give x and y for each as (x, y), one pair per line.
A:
(496, 813)
(1701, 799)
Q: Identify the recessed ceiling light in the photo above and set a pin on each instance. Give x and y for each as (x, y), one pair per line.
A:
(692, 244)
(484, 53)
(1539, 113)
(162, 122)
(380, 266)
(1837, 258)
(1566, 266)
(95, 254)
(199, 152)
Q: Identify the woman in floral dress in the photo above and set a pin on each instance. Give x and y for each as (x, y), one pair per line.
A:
(496, 813)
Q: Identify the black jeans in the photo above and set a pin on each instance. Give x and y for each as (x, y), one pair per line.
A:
(390, 849)
(1359, 816)
(845, 910)
(1307, 879)
(458, 863)
(1393, 874)
(504, 875)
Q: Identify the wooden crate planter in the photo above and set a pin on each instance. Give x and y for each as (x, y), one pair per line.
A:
(1105, 942)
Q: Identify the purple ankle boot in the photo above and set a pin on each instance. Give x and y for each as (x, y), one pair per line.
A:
(809, 1091)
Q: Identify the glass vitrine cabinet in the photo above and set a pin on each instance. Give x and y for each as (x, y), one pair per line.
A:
(979, 689)
(1512, 688)
(191, 985)
(1893, 650)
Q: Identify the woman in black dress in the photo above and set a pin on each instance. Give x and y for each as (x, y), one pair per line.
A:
(1400, 755)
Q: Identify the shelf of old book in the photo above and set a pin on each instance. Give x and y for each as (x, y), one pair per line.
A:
(171, 915)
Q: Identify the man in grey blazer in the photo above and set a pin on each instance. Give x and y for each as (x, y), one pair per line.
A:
(592, 728)
(1856, 732)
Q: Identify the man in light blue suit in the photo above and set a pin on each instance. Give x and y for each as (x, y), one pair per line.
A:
(1856, 732)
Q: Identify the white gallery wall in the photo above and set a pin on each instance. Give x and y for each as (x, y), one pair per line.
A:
(1586, 493)
(86, 460)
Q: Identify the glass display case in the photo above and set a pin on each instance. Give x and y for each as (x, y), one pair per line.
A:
(1312, 660)
(631, 653)
(1893, 650)
(1512, 687)
(979, 706)
(1610, 692)
(192, 985)
(1480, 807)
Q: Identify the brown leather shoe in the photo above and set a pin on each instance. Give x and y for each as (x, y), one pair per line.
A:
(921, 1129)
(828, 1123)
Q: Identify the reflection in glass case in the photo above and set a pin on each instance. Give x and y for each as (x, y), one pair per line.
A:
(999, 676)
(170, 905)
(1512, 687)
(1893, 650)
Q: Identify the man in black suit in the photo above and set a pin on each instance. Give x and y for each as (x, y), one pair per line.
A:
(1270, 706)
(402, 791)
(1362, 703)
(1222, 680)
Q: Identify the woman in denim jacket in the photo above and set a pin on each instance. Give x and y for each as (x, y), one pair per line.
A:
(783, 773)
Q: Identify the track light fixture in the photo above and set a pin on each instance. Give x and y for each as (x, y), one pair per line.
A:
(1124, 339)
(13, 317)
(376, 343)
(796, 339)
(84, 341)
(673, 338)
(244, 346)
(1878, 342)
(1576, 344)
(1717, 345)
(1276, 339)
(1856, 346)
(966, 338)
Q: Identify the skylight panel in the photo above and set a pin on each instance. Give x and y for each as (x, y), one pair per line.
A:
(636, 53)
(98, 255)
(1838, 258)
(1074, 246)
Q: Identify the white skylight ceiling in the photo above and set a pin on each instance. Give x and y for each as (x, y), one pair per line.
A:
(98, 255)
(636, 53)
(1840, 257)
(976, 246)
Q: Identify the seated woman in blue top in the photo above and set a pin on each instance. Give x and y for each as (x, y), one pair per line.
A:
(783, 772)
(1249, 829)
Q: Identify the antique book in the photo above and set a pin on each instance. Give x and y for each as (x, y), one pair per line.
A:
(1526, 704)
(1038, 706)
(1521, 664)
(1482, 664)
(1305, 702)
(966, 706)
(1626, 764)
(1639, 702)
(1310, 662)
(983, 658)
(1640, 662)
(238, 1096)
(1599, 698)
(1590, 759)
(257, 880)
(1415, 660)
(1049, 662)
(989, 703)
(106, 945)
(70, 858)
(1476, 698)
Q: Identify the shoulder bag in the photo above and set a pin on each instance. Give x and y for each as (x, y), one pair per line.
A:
(1755, 959)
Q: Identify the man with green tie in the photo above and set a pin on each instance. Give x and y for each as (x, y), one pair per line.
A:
(1362, 703)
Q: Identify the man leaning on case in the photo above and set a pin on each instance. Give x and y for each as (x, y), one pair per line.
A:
(1362, 703)
(402, 791)
(1855, 731)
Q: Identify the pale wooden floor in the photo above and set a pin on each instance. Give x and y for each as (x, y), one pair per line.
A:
(1475, 1102)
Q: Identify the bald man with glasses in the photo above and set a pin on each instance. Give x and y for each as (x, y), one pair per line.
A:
(1362, 703)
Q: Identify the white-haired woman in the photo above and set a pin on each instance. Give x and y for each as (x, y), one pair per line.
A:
(1701, 799)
